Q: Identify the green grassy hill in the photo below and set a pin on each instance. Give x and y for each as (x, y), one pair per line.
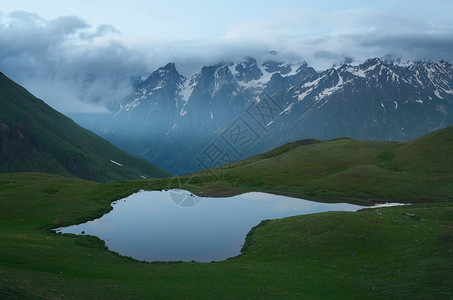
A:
(35, 137)
(417, 170)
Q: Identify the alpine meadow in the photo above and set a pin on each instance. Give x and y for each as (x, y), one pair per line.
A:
(226, 150)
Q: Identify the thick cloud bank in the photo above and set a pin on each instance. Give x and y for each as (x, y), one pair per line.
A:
(76, 67)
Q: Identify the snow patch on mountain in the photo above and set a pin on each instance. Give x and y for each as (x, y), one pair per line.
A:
(129, 106)
(330, 91)
(256, 83)
(302, 96)
(159, 85)
(169, 130)
(217, 83)
(294, 69)
(417, 77)
(409, 64)
(116, 163)
(436, 92)
(314, 83)
(287, 110)
(186, 89)
(358, 72)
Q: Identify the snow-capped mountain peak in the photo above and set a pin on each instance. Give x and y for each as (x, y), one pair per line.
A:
(377, 99)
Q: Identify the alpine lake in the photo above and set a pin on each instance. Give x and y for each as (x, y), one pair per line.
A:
(176, 225)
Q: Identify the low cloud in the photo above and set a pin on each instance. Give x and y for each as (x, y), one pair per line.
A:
(78, 68)
(73, 67)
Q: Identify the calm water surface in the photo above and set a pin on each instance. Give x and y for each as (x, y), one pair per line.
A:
(176, 225)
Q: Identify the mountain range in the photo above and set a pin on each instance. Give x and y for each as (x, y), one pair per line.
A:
(220, 115)
(239, 109)
(36, 138)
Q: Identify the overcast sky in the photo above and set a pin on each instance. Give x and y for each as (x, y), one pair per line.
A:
(77, 55)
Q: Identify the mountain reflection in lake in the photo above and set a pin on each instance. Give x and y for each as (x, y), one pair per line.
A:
(178, 226)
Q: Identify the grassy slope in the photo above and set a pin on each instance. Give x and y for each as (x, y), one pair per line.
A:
(401, 252)
(56, 144)
(418, 170)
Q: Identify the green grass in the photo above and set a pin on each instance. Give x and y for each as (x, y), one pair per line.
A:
(36, 138)
(417, 171)
(388, 253)
(398, 252)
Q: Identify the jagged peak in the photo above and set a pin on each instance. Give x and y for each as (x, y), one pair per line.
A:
(344, 66)
(169, 69)
(162, 77)
(304, 65)
(444, 63)
(304, 68)
(371, 62)
(211, 69)
(331, 71)
(169, 66)
(223, 69)
(248, 70)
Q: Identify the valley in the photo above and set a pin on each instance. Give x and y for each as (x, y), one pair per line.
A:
(35, 137)
(226, 149)
(373, 253)
(170, 119)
